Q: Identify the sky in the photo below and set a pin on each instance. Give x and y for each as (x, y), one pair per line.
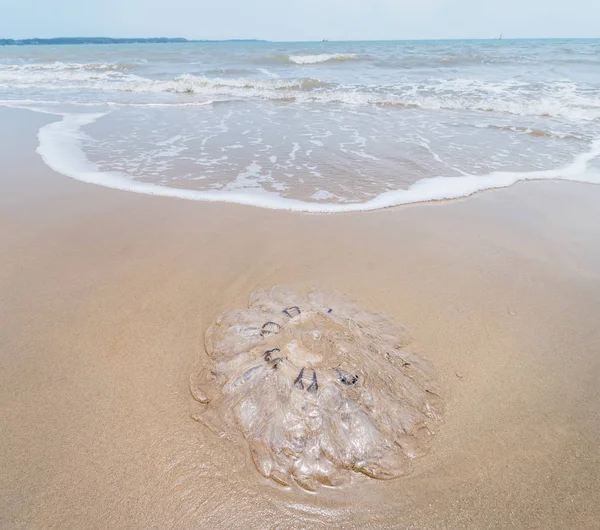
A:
(300, 19)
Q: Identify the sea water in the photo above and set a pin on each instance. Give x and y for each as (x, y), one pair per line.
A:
(316, 127)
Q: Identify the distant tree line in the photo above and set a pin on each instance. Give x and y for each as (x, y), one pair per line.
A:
(100, 40)
(85, 40)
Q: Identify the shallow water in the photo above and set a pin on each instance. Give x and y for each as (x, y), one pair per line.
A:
(314, 126)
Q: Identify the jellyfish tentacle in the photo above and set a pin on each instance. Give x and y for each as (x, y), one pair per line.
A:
(298, 382)
(268, 355)
(292, 311)
(276, 362)
(270, 328)
(314, 386)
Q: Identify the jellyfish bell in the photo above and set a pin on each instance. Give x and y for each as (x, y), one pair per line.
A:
(320, 388)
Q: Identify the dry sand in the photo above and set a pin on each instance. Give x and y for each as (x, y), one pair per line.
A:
(105, 296)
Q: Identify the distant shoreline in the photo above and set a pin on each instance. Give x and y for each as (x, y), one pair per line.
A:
(181, 40)
(109, 40)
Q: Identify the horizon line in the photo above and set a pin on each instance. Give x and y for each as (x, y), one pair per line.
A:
(256, 39)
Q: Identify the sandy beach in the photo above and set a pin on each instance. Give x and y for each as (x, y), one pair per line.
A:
(105, 296)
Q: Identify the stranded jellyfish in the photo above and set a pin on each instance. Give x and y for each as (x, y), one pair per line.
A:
(320, 388)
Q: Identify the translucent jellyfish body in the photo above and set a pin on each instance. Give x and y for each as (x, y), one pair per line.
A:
(320, 388)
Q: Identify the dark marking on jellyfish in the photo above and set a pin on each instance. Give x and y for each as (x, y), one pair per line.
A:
(330, 310)
(276, 362)
(313, 386)
(346, 378)
(270, 328)
(298, 381)
(269, 354)
(349, 380)
(292, 311)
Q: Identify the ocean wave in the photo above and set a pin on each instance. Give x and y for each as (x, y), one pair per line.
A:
(60, 147)
(25, 76)
(477, 59)
(219, 72)
(268, 73)
(322, 58)
(59, 66)
(276, 84)
(224, 95)
(48, 106)
(538, 133)
(558, 99)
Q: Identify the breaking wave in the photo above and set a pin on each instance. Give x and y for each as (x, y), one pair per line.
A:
(323, 58)
(558, 98)
(59, 66)
(113, 79)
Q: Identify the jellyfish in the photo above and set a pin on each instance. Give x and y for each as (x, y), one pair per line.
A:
(321, 389)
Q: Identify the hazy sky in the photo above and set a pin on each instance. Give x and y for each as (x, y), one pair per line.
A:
(301, 19)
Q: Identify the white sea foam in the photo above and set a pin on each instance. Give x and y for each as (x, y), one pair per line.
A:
(322, 195)
(60, 147)
(322, 58)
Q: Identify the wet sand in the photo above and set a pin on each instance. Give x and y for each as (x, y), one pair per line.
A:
(105, 296)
